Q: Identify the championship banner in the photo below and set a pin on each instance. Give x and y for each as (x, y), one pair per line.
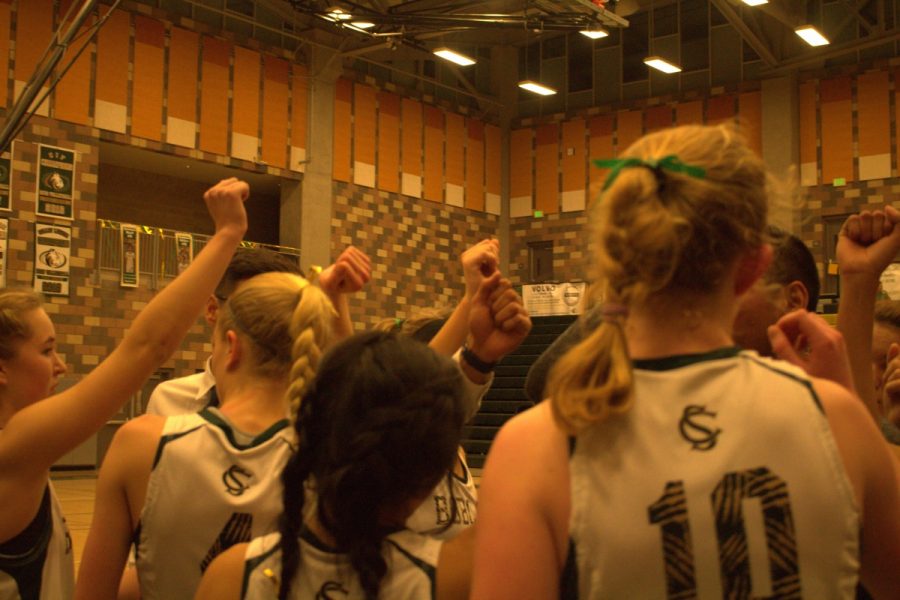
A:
(130, 253)
(52, 251)
(184, 251)
(4, 244)
(548, 299)
(6, 179)
(56, 180)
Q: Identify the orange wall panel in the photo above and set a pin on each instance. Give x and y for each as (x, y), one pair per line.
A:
(475, 165)
(492, 171)
(363, 124)
(807, 124)
(245, 119)
(184, 50)
(433, 184)
(658, 117)
(873, 113)
(411, 115)
(689, 113)
(719, 109)
(600, 146)
(546, 176)
(521, 163)
(34, 28)
(573, 155)
(113, 42)
(629, 129)
(146, 108)
(72, 96)
(456, 143)
(275, 111)
(750, 119)
(388, 142)
(300, 115)
(343, 102)
(837, 128)
(214, 96)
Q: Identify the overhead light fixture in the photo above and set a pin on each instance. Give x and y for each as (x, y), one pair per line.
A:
(362, 24)
(338, 14)
(455, 57)
(755, 2)
(661, 64)
(811, 36)
(537, 88)
(594, 34)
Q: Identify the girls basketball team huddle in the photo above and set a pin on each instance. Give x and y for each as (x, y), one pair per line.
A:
(309, 463)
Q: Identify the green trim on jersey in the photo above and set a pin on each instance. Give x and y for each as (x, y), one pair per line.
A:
(805, 382)
(251, 564)
(228, 430)
(667, 363)
(165, 440)
(429, 570)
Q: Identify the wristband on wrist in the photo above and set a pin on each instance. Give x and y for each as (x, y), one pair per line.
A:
(475, 362)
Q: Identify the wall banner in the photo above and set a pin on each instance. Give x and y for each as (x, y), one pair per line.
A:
(6, 178)
(56, 182)
(129, 272)
(546, 299)
(184, 251)
(4, 245)
(52, 252)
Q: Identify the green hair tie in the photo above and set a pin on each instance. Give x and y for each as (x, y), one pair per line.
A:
(658, 165)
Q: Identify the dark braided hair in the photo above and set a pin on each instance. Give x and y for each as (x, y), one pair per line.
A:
(379, 427)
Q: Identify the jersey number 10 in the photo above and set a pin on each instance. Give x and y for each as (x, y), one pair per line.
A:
(670, 513)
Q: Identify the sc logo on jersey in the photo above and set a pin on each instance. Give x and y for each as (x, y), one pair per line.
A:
(236, 480)
(330, 589)
(696, 429)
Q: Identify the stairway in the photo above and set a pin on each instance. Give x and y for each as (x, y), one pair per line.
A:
(506, 398)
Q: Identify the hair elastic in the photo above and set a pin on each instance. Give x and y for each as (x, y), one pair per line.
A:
(659, 166)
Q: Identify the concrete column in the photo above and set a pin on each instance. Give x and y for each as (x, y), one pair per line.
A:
(315, 196)
(503, 80)
(290, 215)
(781, 141)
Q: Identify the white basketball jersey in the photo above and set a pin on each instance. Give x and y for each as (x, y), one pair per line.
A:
(411, 559)
(436, 516)
(722, 481)
(209, 489)
(37, 564)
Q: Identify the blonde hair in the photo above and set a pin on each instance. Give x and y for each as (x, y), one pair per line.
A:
(657, 235)
(14, 304)
(287, 321)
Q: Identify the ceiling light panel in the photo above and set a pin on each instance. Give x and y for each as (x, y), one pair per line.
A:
(455, 57)
(537, 88)
(811, 36)
(660, 64)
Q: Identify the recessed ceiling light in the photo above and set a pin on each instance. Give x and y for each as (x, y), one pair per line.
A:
(453, 56)
(755, 2)
(811, 36)
(661, 64)
(537, 88)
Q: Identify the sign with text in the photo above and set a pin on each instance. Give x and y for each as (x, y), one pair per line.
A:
(6, 178)
(52, 252)
(548, 299)
(56, 182)
(184, 251)
(129, 272)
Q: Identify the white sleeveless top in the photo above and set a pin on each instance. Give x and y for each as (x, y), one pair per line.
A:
(211, 487)
(433, 517)
(37, 564)
(411, 558)
(722, 481)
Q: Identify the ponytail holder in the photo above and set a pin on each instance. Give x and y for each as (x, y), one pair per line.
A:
(610, 310)
(314, 272)
(659, 166)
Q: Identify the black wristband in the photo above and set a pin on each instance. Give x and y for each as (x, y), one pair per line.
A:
(476, 363)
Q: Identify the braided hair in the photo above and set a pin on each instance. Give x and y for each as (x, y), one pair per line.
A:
(379, 428)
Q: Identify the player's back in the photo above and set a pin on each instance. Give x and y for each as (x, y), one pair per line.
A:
(722, 481)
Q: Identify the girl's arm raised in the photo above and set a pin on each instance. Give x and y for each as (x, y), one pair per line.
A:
(38, 435)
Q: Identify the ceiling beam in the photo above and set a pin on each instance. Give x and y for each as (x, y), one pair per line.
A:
(749, 36)
(854, 7)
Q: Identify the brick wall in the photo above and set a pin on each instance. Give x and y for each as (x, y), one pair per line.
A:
(414, 244)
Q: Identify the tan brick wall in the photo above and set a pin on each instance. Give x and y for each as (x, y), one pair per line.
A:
(414, 245)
